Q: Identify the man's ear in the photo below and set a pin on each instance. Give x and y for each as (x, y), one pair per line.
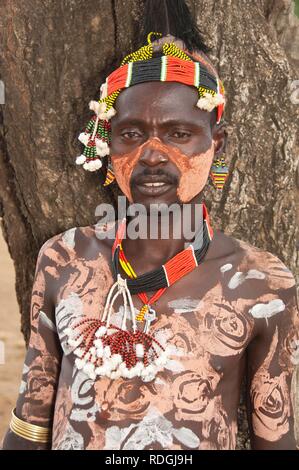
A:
(220, 138)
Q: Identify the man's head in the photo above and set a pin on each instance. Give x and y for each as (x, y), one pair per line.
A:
(162, 144)
(164, 105)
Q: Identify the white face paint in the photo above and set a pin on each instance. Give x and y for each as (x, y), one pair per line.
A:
(185, 305)
(267, 310)
(239, 277)
(69, 237)
(153, 428)
(226, 267)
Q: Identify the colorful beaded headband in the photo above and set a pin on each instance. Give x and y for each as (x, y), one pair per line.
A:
(138, 67)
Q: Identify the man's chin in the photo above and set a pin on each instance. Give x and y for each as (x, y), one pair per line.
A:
(149, 200)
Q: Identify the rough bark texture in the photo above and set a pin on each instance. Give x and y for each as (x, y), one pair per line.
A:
(56, 55)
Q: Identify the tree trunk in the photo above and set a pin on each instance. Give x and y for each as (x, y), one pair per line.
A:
(56, 55)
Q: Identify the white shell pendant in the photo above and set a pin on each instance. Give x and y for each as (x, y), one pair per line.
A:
(106, 350)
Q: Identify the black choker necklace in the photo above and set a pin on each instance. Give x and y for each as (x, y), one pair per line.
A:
(175, 268)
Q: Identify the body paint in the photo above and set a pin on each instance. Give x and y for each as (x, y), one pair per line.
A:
(271, 399)
(123, 166)
(69, 237)
(185, 305)
(226, 267)
(194, 170)
(153, 428)
(267, 310)
(194, 173)
(239, 277)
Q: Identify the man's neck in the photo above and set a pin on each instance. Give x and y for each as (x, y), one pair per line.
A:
(150, 253)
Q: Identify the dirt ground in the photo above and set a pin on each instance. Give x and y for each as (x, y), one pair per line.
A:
(11, 339)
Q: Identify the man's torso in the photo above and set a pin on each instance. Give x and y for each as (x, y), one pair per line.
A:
(205, 317)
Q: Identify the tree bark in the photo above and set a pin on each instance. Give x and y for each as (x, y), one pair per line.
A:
(56, 55)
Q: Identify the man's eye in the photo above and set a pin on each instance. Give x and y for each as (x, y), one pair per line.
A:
(181, 134)
(130, 135)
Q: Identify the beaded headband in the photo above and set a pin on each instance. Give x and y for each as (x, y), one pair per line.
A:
(139, 67)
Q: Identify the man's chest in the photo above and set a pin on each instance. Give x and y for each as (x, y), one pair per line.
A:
(206, 333)
(204, 327)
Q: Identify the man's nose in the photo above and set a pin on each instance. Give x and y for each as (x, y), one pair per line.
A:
(153, 156)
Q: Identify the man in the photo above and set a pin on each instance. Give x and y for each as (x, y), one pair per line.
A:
(230, 315)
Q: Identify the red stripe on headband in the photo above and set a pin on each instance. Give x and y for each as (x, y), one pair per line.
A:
(117, 79)
(179, 70)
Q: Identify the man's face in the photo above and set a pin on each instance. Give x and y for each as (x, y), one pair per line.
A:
(162, 144)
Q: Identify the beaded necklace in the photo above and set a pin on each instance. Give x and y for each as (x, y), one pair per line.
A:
(170, 272)
(106, 349)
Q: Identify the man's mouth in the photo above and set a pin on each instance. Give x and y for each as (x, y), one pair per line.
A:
(153, 186)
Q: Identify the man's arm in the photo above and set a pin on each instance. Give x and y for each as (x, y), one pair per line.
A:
(272, 360)
(36, 401)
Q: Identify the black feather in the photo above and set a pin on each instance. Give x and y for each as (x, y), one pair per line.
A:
(171, 17)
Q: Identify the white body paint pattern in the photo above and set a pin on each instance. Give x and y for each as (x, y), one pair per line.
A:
(23, 386)
(267, 310)
(226, 267)
(153, 428)
(69, 237)
(46, 321)
(185, 305)
(159, 381)
(117, 317)
(173, 365)
(72, 440)
(67, 311)
(192, 402)
(295, 353)
(85, 408)
(239, 277)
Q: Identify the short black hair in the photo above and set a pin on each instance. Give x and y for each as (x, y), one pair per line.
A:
(171, 17)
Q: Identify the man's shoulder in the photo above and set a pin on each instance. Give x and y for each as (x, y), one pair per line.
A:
(254, 260)
(68, 237)
(78, 241)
